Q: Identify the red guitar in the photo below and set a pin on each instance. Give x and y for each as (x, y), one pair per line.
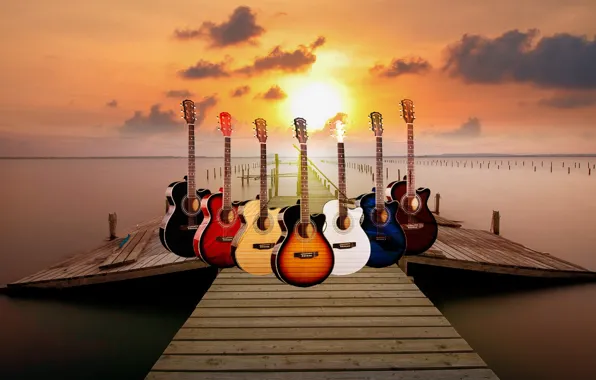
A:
(213, 240)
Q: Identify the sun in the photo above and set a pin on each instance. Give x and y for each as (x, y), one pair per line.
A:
(317, 102)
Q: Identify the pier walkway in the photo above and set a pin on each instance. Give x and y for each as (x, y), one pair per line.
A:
(374, 324)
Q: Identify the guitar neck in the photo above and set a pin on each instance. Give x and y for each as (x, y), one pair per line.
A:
(227, 188)
(379, 191)
(411, 177)
(191, 187)
(304, 210)
(263, 176)
(341, 169)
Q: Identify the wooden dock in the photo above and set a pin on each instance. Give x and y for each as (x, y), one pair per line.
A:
(374, 324)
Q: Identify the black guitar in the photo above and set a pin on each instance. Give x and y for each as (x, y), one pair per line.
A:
(184, 214)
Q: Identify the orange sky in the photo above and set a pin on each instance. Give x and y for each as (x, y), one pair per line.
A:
(82, 79)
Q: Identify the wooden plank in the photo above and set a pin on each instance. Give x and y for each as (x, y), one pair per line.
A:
(299, 294)
(223, 274)
(120, 253)
(343, 321)
(257, 280)
(272, 347)
(442, 374)
(315, 362)
(296, 333)
(216, 287)
(314, 302)
(141, 245)
(321, 311)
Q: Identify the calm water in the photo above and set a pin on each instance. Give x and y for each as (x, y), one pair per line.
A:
(55, 208)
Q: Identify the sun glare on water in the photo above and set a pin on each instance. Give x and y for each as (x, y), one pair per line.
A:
(316, 102)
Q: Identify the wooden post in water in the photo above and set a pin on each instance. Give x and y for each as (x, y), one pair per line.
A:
(113, 221)
(534, 168)
(387, 173)
(437, 203)
(496, 223)
(569, 170)
(214, 174)
(207, 170)
(551, 167)
(242, 177)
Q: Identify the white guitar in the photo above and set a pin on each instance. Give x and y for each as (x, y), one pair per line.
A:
(350, 243)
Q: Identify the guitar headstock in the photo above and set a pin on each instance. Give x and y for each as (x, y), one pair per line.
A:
(225, 124)
(300, 130)
(338, 130)
(376, 123)
(261, 130)
(188, 110)
(407, 111)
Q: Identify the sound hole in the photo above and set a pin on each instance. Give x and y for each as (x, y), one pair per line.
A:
(263, 223)
(305, 231)
(190, 206)
(343, 222)
(379, 217)
(227, 216)
(410, 203)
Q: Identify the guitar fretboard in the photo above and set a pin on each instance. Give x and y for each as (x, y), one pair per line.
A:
(341, 168)
(191, 187)
(227, 189)
(411, 177)
(379, 191)
(263, 176)
(304, 211)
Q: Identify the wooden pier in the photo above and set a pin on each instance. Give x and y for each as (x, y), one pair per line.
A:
(374, 324)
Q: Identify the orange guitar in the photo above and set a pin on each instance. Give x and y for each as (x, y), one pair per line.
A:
(302, 257)
(213, 240)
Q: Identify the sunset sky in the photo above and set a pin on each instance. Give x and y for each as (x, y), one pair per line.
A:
(106, 77)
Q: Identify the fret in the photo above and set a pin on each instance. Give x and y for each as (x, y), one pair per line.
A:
(304, 210)
(227, 199)
(379, 191)
(341, 168)
(411, 187)
(263, 176)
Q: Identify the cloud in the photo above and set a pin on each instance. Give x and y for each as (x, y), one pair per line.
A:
(178, 94)
(240, 28)
(274, 93)
(471, 128)
(112, 103)
(559, 61)
(158, 121)
(569, 101)
(298, 60)
(402, 66)
(240, 91)
(204, 69)
(340, 116)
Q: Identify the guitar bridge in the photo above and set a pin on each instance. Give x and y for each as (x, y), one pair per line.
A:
(381, 238)
(305, 255)
(263, 245)
(413, 226)
(188, 228)
(224, 239)
(344, 245)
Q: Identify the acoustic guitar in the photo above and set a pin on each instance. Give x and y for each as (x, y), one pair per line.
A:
(386, 236)
(213, 239)
(343, 231)
(260, 230)
(416, 219)
(183, 217)
(303, 257)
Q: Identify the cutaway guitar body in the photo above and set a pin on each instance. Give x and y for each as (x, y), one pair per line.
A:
(420, 227)
(254, 242)
(386, 236)
(347, 238)
(178, 229)
(213, 239)
(304, 257)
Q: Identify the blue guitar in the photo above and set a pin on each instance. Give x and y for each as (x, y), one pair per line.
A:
(387, 238)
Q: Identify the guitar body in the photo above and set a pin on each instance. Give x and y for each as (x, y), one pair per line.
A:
(303, 257)
(174, 233)
(350, 243)
(425, 229)
(387, 238)
(213, 239)
(254, 242)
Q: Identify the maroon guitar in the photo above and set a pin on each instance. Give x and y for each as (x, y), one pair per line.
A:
(213, 240)
(417, 221)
